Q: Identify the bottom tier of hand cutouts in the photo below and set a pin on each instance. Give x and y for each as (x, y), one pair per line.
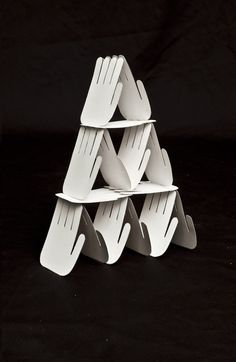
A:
(115, 226)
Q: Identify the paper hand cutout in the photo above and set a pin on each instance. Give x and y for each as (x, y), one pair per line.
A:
(133, 152)
(138, 239)
(133, 102)
(156, 216)
(109, 226)
(185, 234)
(104, 92)
(159, 168)
(63, 243)
(84, 164)
(125, 170)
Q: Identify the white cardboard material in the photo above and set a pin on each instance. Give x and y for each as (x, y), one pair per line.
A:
(138, 239)
(84, 164)
(63, 243)
(104, 92)
(133, 153)
(124, 124)
(108, 223)
(159, 168)
(185, 234)
(125, 170)
(96, 195)
(147, 187)
(94, 247)
(156, 216)
(133, 102)
(116, 223)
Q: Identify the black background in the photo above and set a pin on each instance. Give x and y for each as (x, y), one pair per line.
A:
(175, 308)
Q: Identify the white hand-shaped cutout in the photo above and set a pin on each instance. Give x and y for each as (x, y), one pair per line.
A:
(133, 152)
(104, 92)
(158, 169)
(156, 215)
(185, 234)
(125, 170)
(133, 102)
(108, 223)
(84, 164)
(63, 243)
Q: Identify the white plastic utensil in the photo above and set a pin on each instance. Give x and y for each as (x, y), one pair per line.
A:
(138, 239)
(104, 92)
(84, 164)
(158, 169)
(133, 102)
(156, 215)
(63, 243)
(185, 233)
(110, 227)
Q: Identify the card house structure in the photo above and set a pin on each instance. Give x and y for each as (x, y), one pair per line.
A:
(116, 224)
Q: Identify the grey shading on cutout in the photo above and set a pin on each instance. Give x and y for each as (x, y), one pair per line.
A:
(104, 92)
(158, 169)
(125, 170)
(110, 227)
(63, 243)
(185, 233)
(133, 103)
(94, 247)
(84, 164)
(156, 216)
(138, 239)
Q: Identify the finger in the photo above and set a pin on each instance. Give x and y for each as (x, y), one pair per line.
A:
(116, 96)
(108, 141)
(139, 136)
(122, 208)
(148, 202)
(108, 209)
(104, 69)
(193, 240)
(157, 201)
(168, 208)
(167, 164)
(124, 236)
(100, 212)
(75, 219)
(145, 136)
(77, 249)
(80, 139)
(97, 139)
(132, 136)
(125, 74)
(97, 70)
(64, 213)
(57, 211)
(170, 231)
(125, 139)
(84, 144)
(95, 169)
(111, 69)
(117, 71)
(145, 232)
(143, 164)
